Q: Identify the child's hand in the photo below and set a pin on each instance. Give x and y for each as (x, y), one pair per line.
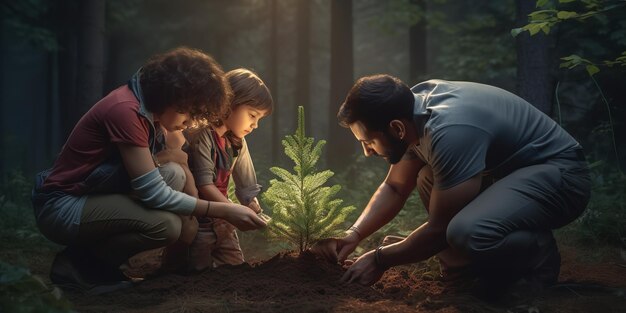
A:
(255, 206)
(179, 156)
(241, 217)
(172, 155)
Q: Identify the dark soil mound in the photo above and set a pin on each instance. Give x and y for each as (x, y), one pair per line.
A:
(292, 283)
(286, 282)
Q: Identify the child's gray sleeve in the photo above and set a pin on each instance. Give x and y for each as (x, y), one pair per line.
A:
(244, 176)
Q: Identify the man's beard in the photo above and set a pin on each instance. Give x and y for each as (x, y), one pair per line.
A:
(397, 149)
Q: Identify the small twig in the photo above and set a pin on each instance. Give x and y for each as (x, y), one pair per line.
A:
(573, 291)
(608, 107)
(558, 103)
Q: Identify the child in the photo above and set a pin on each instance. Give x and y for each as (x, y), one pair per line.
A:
(215, 153)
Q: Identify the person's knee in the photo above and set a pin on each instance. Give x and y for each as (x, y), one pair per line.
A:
(169, 229)
(459, 234)
(174, 175)
(477, 239)
(189, 229)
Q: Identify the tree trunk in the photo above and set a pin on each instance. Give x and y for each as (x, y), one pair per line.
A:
(272, 78)
(417, 47)
(67, 15)
(535, 82)
(90, 54)
(2, 101)
(52, 136)
(340, 141)
(303, 63)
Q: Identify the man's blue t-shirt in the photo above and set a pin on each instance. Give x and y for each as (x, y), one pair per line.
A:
(468, 128)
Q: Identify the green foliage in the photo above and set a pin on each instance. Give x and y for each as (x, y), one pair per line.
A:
(20, 291)
(15, 188)
(231, 192)
(303, 210)
(31, 21)
(473, 41)
(580, 11)
(399, 14)
(603, 221)
(573, 61)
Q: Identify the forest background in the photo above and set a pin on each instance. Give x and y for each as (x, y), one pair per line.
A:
(58, 57)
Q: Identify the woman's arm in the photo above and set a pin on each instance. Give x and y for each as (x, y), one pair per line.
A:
(152, 191)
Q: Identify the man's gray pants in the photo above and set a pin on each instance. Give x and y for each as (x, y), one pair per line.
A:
(506, 231)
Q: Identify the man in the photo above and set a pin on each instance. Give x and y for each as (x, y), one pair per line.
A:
(495, 174)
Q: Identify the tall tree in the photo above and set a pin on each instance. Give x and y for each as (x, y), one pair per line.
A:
(67, 15)
(272, 77)
(417, 46)
(535, 83)
(341, 78)
(2, 143)
(90, 54)
(303, 63)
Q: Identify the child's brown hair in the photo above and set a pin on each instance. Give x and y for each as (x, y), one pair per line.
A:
(248, 89)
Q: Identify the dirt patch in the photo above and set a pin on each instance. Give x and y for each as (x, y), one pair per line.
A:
(288, 283)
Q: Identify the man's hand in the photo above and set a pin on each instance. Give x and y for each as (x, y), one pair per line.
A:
(364, 270)
(337, 249)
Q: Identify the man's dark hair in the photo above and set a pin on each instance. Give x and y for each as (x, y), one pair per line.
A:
(375, 101)
(187, 79)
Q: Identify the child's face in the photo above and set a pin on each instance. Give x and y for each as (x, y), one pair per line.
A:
(243, 120)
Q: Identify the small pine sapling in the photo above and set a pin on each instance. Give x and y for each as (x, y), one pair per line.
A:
(304, 210)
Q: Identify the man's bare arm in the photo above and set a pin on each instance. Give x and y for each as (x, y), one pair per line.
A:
(430, 238)
(390, 197)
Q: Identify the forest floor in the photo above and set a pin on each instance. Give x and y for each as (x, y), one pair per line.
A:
(589, 282)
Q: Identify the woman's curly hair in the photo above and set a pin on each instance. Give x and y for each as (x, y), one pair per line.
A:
(189, 80)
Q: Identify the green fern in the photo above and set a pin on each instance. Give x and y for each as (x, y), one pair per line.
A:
(304, 210)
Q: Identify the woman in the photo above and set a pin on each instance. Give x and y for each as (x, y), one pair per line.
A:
(85, 200)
